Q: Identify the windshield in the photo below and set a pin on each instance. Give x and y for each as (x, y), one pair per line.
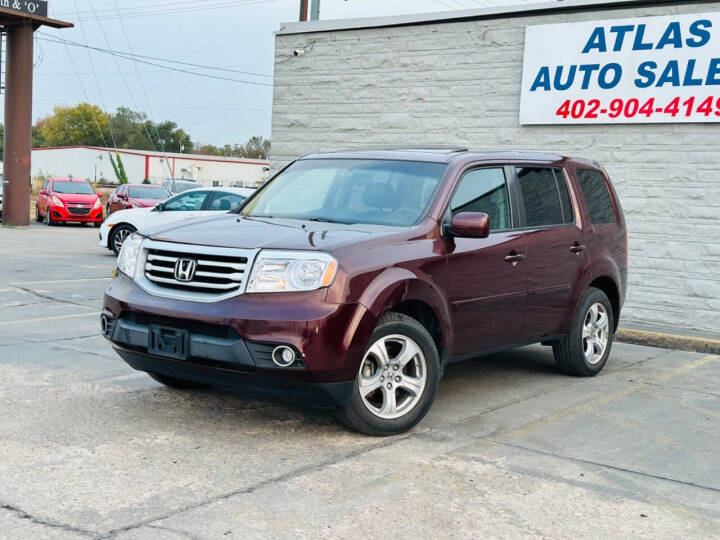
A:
(381, 192)
(179, 185)
(76, 188)
(149, 193)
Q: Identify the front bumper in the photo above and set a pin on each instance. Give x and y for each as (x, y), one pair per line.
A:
(230, 341)
(63, 213)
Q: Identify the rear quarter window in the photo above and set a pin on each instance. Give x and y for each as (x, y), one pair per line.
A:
(597, 196)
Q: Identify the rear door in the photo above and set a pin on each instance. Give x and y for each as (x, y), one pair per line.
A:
(486, 285)
(555, 253)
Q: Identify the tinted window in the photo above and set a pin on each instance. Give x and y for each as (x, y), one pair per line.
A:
(597, 196)
(78, 188)
(225, 201)
(484, 190)
(383, 192)
(545, 196)
(187, 201)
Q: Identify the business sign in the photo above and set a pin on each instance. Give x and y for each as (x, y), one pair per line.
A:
(644, 70)
(26, 7)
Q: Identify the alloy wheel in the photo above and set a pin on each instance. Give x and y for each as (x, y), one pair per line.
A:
(392, 376)
(595, 333)
(120, 236)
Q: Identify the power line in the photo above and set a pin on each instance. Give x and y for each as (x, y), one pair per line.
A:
(168, 68)
(131, 55)
(127, 86)
(175, 10)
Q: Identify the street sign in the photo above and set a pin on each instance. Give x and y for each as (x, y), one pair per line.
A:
(27, 7)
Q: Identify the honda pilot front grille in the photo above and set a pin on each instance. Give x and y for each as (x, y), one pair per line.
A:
(189, 272)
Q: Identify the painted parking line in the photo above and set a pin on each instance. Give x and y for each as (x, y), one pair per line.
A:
(56, 318)
(17, 283)
(593, 405)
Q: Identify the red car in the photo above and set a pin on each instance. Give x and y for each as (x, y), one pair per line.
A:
(351, 279)
(69, 200)
(135, 196)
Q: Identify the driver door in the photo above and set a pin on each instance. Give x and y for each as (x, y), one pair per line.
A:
(186, 206)
(487, 276)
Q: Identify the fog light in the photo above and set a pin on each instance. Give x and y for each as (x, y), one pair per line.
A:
(283, 356)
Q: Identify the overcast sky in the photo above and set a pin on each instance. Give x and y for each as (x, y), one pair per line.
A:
(234, 34)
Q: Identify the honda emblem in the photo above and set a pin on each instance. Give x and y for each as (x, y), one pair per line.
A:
(185, 269)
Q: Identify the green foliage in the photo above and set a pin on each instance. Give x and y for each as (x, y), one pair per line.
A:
(119, 168)
(74, 126)
(146, 181)
(256, 148)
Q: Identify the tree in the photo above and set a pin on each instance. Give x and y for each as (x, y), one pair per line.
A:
(257, 148)
(119, 168)
(83, 124)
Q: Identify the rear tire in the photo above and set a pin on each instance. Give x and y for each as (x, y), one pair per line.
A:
(177, 384)
(585, 350)
(399, 377)
(118, 234)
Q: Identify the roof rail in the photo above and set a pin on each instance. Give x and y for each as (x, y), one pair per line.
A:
(431, 148)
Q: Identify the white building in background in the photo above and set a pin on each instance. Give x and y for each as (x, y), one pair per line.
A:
(93, 163)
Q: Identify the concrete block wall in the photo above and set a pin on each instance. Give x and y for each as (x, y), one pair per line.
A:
(459, 83)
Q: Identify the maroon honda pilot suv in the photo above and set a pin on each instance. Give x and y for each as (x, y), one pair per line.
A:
(351, 279)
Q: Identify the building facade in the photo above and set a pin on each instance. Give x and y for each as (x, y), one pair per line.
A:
(457, 78)
(93, 163)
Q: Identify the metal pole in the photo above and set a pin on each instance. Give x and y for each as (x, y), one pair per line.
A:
(315, 10)
(303, 10)
(18, 122)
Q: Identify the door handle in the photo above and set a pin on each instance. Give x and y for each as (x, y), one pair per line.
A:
(514, 257)
(577, 248)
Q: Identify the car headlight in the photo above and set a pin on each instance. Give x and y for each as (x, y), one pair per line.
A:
(97, 204)
(127, 260)
(286, 271)
(57, 201)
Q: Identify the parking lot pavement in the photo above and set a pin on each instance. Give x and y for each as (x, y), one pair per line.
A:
(89, 447)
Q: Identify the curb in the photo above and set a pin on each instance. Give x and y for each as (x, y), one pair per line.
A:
(668, 341)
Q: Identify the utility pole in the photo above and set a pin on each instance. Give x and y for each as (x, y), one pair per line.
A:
(309, 10)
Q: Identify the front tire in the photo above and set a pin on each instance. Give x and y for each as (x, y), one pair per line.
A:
(38, 217)
(172, 382)
(50, 220)
(118, 235)
(397, 379)
(586, 348)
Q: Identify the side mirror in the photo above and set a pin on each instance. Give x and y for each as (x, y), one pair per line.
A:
(470, 225)
(99, 194)
(159, 207)
(43, 192)
(122, 196)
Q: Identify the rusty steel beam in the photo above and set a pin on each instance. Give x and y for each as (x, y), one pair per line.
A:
(303, 10)
(18, 124)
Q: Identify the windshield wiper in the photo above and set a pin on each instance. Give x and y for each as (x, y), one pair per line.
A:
(328, 220)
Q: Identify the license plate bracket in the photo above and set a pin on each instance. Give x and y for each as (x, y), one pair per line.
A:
(169, 342)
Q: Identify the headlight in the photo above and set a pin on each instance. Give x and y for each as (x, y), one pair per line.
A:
(285, 271)
(128, 254)
(97, 204)
(57, 201)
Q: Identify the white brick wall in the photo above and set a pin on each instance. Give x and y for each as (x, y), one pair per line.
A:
(459, 83)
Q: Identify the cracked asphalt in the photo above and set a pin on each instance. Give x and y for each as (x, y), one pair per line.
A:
(512, 448)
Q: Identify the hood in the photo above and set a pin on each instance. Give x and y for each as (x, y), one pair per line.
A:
(88, 198)
(144, 203)
(233, 231)
(127, 214)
